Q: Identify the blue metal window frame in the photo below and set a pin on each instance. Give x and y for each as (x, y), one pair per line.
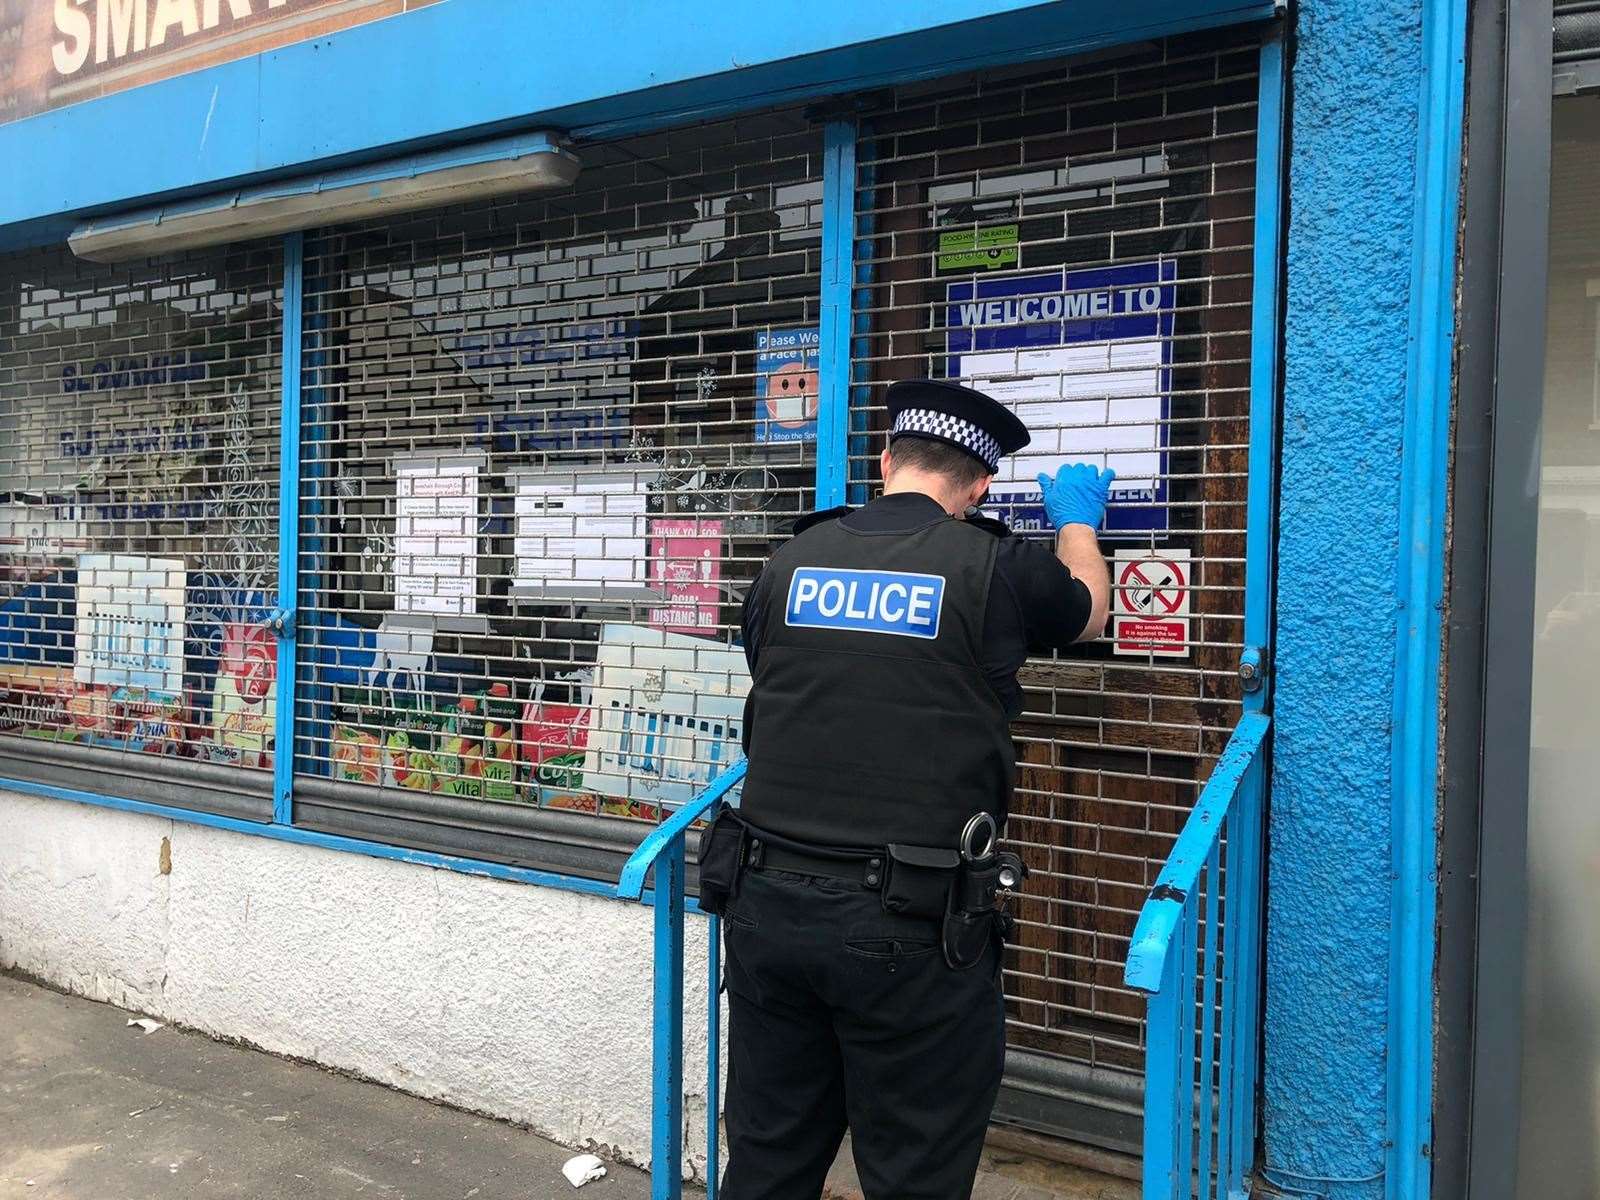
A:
(1164, 952)
(283, 619)
(1424, 478)
(296, 705)
(838, 311)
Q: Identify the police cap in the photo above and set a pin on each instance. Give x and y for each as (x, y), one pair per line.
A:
(959, 416)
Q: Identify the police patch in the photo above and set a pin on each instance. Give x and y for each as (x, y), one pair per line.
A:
(893, 602)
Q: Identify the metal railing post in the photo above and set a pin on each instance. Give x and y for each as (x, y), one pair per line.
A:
(838, 304)
(664, 852)
(666, 1113)
(1160, 1089)
(1246, 826)
(1208, 1015)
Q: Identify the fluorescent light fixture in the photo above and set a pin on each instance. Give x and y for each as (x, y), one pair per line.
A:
(529, 162)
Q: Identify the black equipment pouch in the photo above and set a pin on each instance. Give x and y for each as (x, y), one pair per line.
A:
(965, 936)
(980, 881)
(975, 918)
(721, 856)
(921, 881)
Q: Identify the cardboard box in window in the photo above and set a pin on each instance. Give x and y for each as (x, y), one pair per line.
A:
(244, 697)
(501, 716)
(553, 738)
(36, 700)
(668, 716)
(150, 722)
(466, 747)
(356, 755)
(47, 703)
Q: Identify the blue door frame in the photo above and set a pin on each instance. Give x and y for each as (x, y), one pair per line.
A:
(1203, 1048)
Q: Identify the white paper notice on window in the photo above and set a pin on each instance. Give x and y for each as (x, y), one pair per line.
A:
(129, 628)
(436, 537)
(1091, 402)
(581, 533)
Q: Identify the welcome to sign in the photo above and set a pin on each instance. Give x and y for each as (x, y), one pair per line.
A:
(58, 52)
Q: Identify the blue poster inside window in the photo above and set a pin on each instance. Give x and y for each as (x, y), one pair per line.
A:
(1084, 358)
(786, 385)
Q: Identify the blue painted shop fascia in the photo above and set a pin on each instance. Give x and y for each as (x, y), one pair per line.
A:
(460, 70)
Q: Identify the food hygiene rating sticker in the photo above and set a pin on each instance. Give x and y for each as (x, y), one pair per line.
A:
(893, 602)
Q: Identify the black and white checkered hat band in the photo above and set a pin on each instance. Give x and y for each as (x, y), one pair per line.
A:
(952, 429)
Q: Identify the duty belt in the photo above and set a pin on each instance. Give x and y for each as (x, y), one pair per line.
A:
(863, 867)
(959, 887)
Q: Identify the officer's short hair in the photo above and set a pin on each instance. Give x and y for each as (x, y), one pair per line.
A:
(941, 458)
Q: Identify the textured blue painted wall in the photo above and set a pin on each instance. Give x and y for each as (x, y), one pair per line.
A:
(1350, 232)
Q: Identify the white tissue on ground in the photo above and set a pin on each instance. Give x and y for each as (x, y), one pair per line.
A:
(583, 1168)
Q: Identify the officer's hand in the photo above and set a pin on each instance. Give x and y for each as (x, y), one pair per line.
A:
(1077, 495)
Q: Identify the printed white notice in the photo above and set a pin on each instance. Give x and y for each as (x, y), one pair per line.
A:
(130, 622)
(668, 714)
(436, 538)
(582, 532)
(1090, 402)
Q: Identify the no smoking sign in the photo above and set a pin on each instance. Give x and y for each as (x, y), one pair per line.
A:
(1150, 603)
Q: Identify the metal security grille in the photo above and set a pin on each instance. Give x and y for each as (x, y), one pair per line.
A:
(1576, 47)
(1076, 239)
(548, 442)
(138, 519)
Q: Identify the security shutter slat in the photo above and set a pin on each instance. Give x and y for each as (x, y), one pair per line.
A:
(1577, 31)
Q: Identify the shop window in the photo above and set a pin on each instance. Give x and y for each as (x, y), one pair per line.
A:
(138, 524)
(548, 443)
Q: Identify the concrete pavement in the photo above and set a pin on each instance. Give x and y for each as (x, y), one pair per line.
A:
(93, 1109)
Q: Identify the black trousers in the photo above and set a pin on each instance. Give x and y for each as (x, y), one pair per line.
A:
(841, 1013)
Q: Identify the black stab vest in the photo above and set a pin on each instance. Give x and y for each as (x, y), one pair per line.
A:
(868, 722)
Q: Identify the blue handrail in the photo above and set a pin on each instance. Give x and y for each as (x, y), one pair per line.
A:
(630, 885)
(1158, 919)
(663, 852)
(1199, 972)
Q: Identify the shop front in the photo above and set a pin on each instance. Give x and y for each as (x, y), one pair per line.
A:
(546, 442)
(416, 525)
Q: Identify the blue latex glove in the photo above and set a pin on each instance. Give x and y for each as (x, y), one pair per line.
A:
(1077, 495)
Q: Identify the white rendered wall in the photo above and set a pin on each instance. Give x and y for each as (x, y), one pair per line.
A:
(527, 1003)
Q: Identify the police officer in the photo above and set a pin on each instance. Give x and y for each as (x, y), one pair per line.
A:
(884, 645)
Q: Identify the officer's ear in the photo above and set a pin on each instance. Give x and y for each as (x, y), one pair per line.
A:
(885, 464)
(978, 491)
